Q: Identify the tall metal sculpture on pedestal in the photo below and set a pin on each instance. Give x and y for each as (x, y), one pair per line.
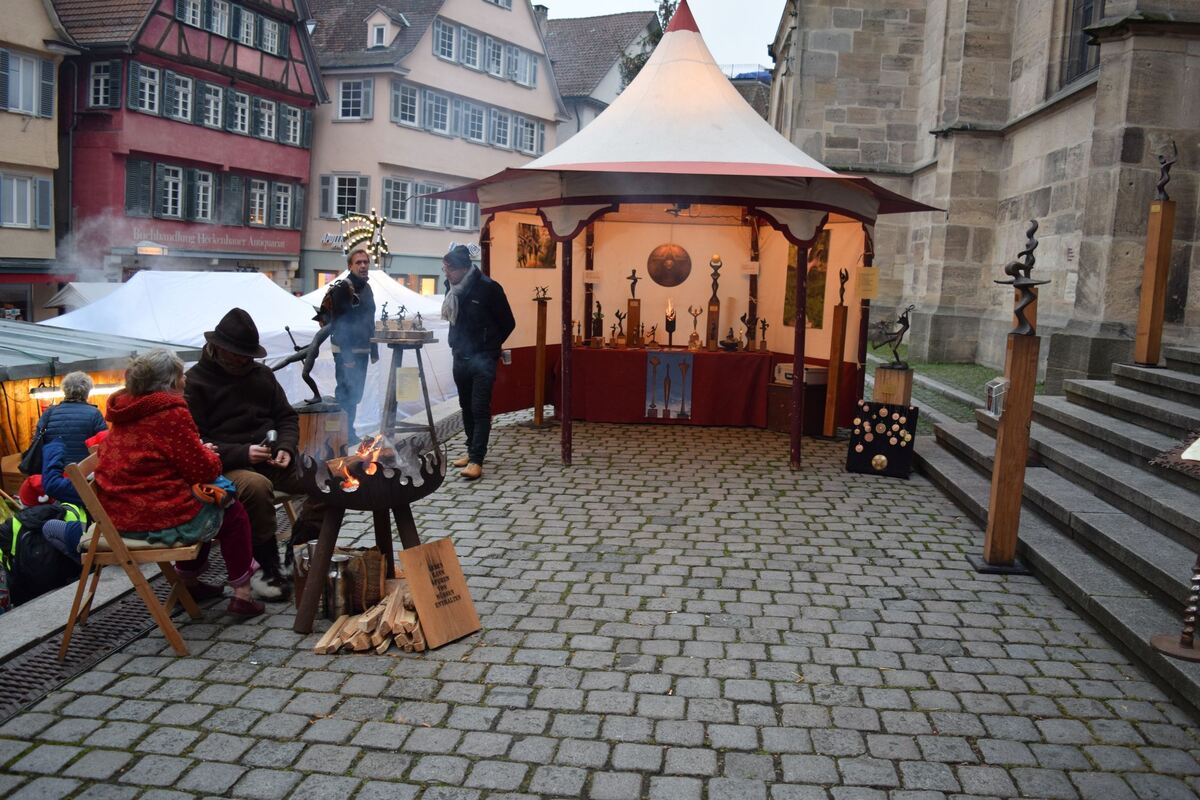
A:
(1160, 233)
(1012, 436)
(714, 306)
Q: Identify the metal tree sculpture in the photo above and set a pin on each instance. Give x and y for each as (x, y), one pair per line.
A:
(1019, 279)
(1164, 173)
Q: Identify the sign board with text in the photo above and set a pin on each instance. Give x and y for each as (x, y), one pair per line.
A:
(439, 592)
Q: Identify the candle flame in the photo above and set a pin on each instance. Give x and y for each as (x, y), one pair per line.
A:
(670, 309)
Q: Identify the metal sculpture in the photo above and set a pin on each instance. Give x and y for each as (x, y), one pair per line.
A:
(1164, 173)
(308, 354)
(633, 282)
(1019, 279)
(893, 337)
(541, 293)
(620, 318)
(843, 277)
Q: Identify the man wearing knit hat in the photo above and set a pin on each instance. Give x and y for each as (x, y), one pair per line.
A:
(480, 320)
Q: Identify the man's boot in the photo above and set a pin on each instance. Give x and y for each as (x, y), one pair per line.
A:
(269, 584)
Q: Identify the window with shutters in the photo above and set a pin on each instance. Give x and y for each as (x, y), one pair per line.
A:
(501, 128)
(526, 135)
(346, 193)
(213, 100)
(512, 61)
(469, 47)
(396, 194)
(22, 83)
(240, 109)
(405, 102)
(266, 120)
(193, 12)
(246, 28)
(494, 58)
(218, 18)
(281, 209)
(474, 123)
(528, 68)
(351, 99)
(437, 112)
(16, 201)
(100, 83)
(270, 36)
(139, 187)
(256, 207)
(170, 191)
(429, 210)
(147, 86)
(443, 40)
(181, 97)
(461, 215)
(292, 125)
(203, 190)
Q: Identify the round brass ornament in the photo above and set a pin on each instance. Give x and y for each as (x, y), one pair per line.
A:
(880, 428)
(868, 437)
(892, 441)
(883, 412)
(669, 265)
(858, 448)
(879, 462)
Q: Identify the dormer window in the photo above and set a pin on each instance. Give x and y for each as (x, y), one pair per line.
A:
(378, 35)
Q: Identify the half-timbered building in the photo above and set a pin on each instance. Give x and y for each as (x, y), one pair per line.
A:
(188, 125)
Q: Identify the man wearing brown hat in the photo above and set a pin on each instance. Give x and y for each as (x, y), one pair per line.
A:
(236, 402)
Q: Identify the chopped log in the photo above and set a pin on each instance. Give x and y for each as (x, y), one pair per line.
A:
(359, 642)
(369, 619)
(344, 633)
(323, 646)
(384, 645)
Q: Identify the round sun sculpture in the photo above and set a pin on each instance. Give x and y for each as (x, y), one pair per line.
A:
(365, 231)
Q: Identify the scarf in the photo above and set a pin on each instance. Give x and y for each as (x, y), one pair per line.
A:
(450, 304)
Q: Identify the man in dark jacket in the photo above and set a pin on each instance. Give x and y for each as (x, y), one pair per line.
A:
(235, 401)
(352, 315)
(480, 320)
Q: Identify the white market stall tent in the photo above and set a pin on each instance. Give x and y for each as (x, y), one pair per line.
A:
(387, 289)
(178, 307)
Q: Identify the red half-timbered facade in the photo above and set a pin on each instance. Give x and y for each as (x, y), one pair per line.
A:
(188, 125)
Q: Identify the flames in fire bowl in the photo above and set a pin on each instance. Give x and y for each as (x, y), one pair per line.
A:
(380, 474)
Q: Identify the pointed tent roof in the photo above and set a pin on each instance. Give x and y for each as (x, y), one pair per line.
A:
(682, 132)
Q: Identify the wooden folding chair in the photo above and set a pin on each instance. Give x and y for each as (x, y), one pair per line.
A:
(106, 547)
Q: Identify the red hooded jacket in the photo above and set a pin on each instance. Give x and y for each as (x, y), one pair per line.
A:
(149, 462)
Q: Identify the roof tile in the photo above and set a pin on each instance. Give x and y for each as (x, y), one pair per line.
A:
(583, 49)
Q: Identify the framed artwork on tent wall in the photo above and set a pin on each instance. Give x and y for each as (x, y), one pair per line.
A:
(818, 270)
(535, 248)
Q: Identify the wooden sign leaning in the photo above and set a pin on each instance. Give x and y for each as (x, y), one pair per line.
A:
(439, 592)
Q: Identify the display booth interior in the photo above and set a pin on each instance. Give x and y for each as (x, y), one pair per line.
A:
(700, 260)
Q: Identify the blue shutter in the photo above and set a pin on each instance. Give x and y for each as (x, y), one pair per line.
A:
(385, 207)
(199, 89)
(456, 117)
(206, 20)
(280, 121)
(258, 31)
(364, 194)
(233, 196)
(190, 190)
(235, 22)
(168, 92)
(3, 79)
(255, 115)
(306, 136)
(5, 198)
(47, 96)
(158, 189)
(114, 84)
(368, 98)
(181, 9)
(230, 98)
(326, 202)
(285, 42)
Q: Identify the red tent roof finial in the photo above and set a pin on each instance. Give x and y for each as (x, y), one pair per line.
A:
(682, 19)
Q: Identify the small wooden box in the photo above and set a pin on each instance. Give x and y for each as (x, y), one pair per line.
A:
(779, 408)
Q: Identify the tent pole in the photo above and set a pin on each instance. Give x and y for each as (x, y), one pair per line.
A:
(565, 351)
(485, 247)
(801, 304)
(864, 315)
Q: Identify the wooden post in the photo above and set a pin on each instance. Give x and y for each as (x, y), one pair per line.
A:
(485, 247)
(864, 314)
(539, 361)
(589, 264)
(1160, 233)
(1012, 450)
(801, 299)
(837, 345)
(893, 386)
(565, 351)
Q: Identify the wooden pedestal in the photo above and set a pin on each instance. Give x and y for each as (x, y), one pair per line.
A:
(632, 337)
(1012, 446)
(893, 386)
(837, 344)
(1160, 230)
(539, 364)
(323, 429)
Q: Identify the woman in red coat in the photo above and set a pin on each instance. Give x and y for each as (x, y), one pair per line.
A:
(147, 467)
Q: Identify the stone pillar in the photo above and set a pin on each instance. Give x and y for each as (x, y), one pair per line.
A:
(1147, 69)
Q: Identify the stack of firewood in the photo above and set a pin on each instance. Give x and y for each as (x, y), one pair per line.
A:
(392, 620)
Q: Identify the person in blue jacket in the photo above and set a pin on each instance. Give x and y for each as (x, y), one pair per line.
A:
(54, 483)
(74, 420)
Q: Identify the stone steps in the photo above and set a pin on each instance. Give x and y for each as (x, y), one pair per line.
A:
(1120, 603)
(1127, 441)
(1183, 359)
(1168, 417)
(1182, 387)
(1156, 562)
(1147, 496)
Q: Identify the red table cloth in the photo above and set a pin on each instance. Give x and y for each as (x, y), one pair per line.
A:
(727, 388)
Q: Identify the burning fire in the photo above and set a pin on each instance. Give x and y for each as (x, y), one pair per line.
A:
(368, 453)
(670, 309)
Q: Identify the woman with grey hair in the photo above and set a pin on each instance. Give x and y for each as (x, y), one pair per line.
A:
(159, 482)
(74, 420)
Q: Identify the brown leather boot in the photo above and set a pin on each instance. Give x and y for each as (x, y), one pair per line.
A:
(472, 472)
(461, 461)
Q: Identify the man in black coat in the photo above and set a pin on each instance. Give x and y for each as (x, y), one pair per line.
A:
(352, 315)
(235, 401)
(480, 320)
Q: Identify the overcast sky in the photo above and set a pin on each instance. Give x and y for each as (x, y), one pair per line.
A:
(737, 31)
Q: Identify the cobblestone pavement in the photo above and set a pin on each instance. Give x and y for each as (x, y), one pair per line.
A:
(676, 617)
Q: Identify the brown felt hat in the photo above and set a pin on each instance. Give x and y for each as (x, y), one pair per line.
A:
(237, 333)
